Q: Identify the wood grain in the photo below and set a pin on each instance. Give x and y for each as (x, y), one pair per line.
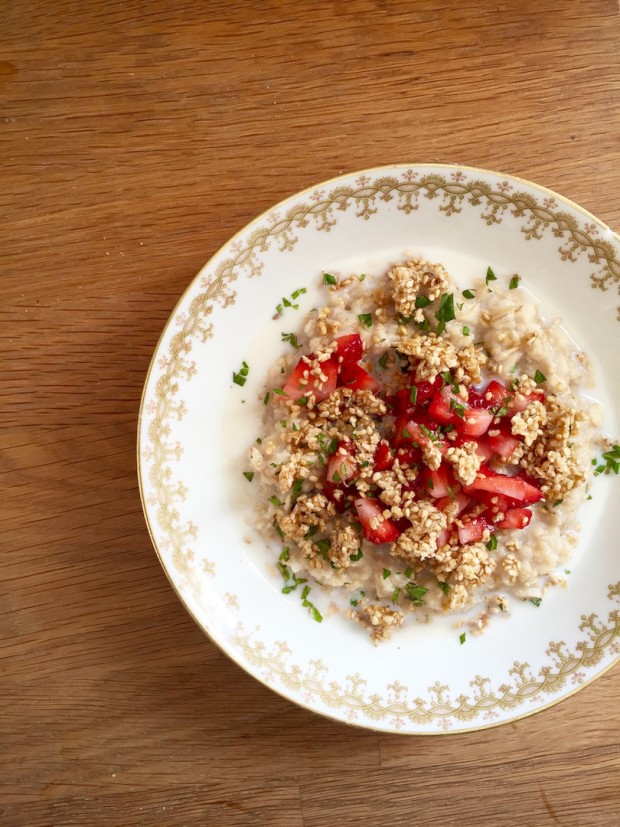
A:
(135, 139)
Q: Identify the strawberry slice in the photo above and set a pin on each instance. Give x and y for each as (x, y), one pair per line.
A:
(438, 483)
(475, 422)
(355, 377)
(514, 487)
(408, 455)
(425, 390)
(516, 518)
(350, 347)
(443, 406)
(473, 530)
(496, 395)
(342, 465)
(504, 444)
(385, 531)
(300, 382)
(410, 430)
(496, 504)
(460, 500)
(520, 403)
(336, 495)
(383, 457)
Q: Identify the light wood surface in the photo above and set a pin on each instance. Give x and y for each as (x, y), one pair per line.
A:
(135, 138)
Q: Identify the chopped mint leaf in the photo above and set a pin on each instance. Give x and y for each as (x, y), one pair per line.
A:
(539, 377)
(514, 282)
(492, 544)
(386, 573)
(365, 319)
(536, 600)
(249, 475)
(466, 331)
(291, 338)
(445, 587)
(468, 294)
(490, 275)
(462, 638)
(422, 301)
(328, 278)
(275, 501)
(413, 394)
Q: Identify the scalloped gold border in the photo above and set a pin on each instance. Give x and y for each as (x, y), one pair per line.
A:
(541, 218)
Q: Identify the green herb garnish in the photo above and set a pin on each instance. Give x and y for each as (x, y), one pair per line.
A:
(413, 394)
(382, 362)
(240, 378)
(466, 331)
(490, 275)
(296, 490)
(445, 587)
(422, 301)
(539, 377)
(536, 600)
(446, 312)
(386, 573)
(275, 501)
(266, 398)
(468, 294)
(556, 503)
(363, 276)
(612, 462)
(415, 593)
(492, 544)
(328, 278)
(514, 282)
(408, 571)
(249, 475)
(356, 557)
(395, 594)
(462, 638)
(365, 319)
(291, 338)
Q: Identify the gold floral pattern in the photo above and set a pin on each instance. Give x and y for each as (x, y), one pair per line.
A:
(162, 406)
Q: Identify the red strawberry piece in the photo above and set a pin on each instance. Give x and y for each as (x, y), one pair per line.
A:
(301, 383)
(475, 422)
(336, 495)
(520, 403)
(496, 504)
(503, 443)
(443, 537)
(383, 457)
(425, 390)
(460, 500)
(350, 347)
(483, 450)
(476, 399)
(472, 530)
(514, 487)
(437, 483)
(408, 455)
(384, 531)
(342, 465)
(495, 395)
(355, 377)
(516, 518)
(418, 432)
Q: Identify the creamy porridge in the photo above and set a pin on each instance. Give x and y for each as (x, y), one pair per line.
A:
(424, 447)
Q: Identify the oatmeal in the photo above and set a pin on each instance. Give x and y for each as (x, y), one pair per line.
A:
(427, 449)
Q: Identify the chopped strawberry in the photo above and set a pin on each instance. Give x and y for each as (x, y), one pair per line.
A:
(476, 399)
(300, 382)
(342, 465)
(438, 483)
(383, 457)
(516, 518)
(495, 395)
(385, 531)
(350, 347)
(515, 487)
(443, 537)
(520, 403)
(336, 495)
(504, 443)
(475, 422)
(410, 430)
(472, 530)
(425, 390)
(496, 504)
(355, 377)
(445, 407)
(408, 455)
(458, 502)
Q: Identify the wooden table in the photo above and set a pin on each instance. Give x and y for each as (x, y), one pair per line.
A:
(136, 138)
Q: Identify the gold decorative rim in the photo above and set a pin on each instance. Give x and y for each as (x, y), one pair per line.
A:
(580, 239)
